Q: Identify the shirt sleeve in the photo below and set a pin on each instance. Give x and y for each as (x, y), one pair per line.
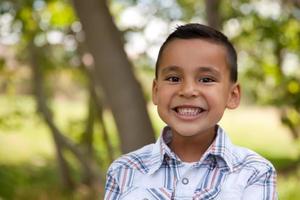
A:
(112, 189)
(262, 187)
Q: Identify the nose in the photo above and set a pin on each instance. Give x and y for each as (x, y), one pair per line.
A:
(189, 89)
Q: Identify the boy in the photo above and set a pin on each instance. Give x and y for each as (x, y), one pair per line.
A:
(195, 81)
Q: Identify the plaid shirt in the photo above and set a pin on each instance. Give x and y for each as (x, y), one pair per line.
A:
(225, 172)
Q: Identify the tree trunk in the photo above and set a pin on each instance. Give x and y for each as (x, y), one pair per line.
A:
(89, 167)
(287, 122)
(87, 137)
(97, 100)
(115, 74)
(42, 108)
(212, 13)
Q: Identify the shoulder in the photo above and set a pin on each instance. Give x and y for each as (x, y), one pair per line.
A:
(246, 159)
(254, 168)
(136, 160)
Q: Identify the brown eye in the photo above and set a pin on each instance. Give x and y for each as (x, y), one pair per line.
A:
(173, 79)
(206, 80)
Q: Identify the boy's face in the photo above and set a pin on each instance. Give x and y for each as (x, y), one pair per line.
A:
(193, 86)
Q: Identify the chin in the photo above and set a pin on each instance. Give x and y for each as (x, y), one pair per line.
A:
(187, 132)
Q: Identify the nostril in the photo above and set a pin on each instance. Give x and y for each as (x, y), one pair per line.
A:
(190, 91)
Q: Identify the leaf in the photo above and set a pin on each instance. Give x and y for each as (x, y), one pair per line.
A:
(62, 14)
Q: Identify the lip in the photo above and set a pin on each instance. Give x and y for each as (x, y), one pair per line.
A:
(188, 112)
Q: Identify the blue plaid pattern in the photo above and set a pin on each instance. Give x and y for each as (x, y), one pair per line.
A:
(224, 172)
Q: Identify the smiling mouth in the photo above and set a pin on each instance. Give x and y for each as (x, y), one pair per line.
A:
(188, 111)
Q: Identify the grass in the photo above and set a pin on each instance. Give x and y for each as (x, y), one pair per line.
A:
(27, 160)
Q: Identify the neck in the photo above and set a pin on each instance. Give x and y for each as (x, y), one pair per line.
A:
(191, 148)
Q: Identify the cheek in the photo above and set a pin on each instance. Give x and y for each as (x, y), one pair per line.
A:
(217, 98)
(161, 98)
(164, 94)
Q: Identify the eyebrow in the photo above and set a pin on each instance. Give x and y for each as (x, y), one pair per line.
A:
(201, 69)
(170, 69)
(209, 69)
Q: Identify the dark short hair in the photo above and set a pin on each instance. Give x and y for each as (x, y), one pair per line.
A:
(199, 31)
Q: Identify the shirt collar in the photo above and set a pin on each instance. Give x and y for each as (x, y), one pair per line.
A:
(161, 151)
(220, 150)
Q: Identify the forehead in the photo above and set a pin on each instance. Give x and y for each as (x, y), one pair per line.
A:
(194, 53)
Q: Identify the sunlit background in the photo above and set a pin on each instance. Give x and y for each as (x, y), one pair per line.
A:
(54, 118)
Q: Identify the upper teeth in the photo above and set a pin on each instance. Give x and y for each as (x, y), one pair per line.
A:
(189, 111)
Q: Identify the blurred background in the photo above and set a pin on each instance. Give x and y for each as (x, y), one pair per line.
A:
(75, 87)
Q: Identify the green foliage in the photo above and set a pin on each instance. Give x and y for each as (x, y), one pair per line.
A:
(9, 179)
(28, 166)
(28, 23)
(18, 180)
(13, 113)
(62, 14)
(191, 8)
(266, 69)
(275, 38)
(46, 24)
(288, 187)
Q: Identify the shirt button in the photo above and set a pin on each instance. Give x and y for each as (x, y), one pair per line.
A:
(185, 181)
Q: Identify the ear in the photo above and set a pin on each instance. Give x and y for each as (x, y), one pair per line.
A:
(154, 92)
(234, 96)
